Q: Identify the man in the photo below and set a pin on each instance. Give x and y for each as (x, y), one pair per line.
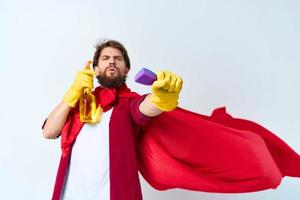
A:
(173, 149)
(101, 167)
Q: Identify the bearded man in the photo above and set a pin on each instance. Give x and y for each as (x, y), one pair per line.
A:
(170, 146)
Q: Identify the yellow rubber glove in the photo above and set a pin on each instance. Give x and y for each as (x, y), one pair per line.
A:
(165, 90)
(84, 79)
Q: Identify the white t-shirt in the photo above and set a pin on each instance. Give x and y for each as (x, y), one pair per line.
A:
(88, 175)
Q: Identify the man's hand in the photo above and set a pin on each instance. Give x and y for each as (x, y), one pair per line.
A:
(84, 79)
(165, 90)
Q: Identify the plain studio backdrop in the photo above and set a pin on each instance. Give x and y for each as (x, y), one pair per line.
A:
(237, 53)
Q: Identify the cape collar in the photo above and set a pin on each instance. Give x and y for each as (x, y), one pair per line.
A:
(107, 97)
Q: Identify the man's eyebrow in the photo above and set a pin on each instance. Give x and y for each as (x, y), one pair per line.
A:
(118, 56)
(104, 57)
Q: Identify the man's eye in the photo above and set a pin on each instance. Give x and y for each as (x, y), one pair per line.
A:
(119, 58)
(104, 58)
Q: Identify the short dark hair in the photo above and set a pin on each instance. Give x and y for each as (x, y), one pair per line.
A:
(110, 43)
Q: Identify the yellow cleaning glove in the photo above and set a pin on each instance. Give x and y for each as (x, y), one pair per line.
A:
(84, 79)
(165, 90)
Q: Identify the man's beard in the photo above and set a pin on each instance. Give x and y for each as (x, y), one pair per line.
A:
(111, 82)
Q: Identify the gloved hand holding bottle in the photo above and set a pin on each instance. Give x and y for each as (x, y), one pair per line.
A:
(84, 79)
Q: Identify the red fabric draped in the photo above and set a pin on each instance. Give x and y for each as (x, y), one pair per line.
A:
(105, 98)
(217, 153)
(182, 149)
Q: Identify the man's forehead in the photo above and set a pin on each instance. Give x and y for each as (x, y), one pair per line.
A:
(111, 51)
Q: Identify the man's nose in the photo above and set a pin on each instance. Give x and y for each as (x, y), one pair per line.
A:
(112, 61)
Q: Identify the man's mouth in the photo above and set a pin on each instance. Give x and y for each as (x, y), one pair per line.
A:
(111, 70)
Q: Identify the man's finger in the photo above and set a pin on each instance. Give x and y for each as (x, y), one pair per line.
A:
(172, 83)
(167, 80)
(88, 72)
(178, 84)
(158, 84)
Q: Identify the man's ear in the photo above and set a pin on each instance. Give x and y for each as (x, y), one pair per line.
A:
(97, 70)
(127, 70)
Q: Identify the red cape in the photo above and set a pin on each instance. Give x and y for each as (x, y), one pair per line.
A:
(217, 153)
(182, 149)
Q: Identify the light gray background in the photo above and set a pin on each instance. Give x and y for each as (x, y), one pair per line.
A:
(240, 54)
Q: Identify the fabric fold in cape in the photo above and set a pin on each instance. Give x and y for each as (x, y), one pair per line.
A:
(217, 153)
